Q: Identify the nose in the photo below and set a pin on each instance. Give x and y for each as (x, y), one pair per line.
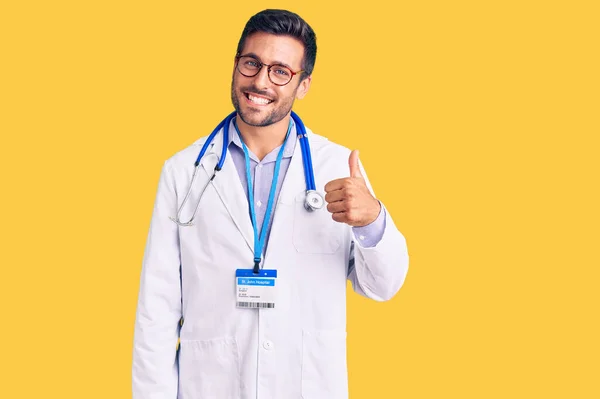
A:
(261, 80)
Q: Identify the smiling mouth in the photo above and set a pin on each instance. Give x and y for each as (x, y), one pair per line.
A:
(254, 99)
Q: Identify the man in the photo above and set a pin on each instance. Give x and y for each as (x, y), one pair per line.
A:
(209, 323)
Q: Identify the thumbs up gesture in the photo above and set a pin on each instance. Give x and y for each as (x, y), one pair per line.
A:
(349, 199)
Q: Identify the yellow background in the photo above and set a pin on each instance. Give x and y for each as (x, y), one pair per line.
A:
(477, 122)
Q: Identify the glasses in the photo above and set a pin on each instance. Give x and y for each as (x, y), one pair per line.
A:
(278, 74)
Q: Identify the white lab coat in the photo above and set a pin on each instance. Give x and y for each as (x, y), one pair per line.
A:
(297, 349)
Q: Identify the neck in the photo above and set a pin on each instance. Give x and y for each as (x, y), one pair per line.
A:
(261, 140)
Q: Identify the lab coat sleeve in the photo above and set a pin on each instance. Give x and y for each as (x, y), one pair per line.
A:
(378, 272)
(155, 368)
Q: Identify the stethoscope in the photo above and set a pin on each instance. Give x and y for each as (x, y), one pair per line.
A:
(313, 200)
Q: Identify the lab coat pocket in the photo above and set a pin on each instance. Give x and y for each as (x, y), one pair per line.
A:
(209, 369)
(314, 232)
(324, 368)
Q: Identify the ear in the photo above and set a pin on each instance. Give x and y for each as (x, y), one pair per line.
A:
(303, 88)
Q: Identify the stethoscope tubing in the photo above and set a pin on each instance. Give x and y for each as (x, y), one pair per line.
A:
(307, 160)
(224, 125)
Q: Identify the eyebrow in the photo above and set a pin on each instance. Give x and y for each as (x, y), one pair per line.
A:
(274, 62)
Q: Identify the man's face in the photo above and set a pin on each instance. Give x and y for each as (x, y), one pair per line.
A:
(257, 100)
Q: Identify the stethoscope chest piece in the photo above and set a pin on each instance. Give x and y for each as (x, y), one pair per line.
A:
(313, 201)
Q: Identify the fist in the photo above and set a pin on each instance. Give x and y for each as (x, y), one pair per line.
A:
(349, 199)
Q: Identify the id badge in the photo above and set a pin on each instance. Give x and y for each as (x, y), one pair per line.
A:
(255, 290)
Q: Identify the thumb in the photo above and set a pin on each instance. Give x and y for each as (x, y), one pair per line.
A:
(353, 163)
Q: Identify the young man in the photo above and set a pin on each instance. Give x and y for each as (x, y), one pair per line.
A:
(254, 287)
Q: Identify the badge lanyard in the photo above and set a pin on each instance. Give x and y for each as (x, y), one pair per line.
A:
(259, 240)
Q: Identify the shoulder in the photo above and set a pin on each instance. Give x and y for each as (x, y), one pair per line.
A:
(186, 156)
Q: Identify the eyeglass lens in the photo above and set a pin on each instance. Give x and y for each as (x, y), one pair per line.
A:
(249, 66)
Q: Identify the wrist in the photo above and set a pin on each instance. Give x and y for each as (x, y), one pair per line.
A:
(374, 215)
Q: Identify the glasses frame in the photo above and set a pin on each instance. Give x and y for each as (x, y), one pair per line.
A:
(261, 64)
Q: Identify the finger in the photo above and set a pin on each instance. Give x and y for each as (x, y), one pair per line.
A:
(339, 217)
(337, 207)
(334, 185)
(353, 164)
(336, 195)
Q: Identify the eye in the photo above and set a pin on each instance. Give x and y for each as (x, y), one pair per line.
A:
(251, 63)
(281, 71)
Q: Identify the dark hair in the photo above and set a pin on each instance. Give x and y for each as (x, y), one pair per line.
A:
(287, 23)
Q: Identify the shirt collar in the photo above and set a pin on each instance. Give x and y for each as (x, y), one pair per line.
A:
(288, 150)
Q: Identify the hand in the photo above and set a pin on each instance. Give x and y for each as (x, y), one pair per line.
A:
(349, 199)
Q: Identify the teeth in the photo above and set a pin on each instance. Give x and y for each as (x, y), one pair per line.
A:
(258, 100)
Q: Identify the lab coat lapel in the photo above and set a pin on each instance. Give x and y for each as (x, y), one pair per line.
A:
(229, 188)
(292, 185)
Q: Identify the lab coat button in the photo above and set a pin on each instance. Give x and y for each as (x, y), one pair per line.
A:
(268, 345)
(259, 203)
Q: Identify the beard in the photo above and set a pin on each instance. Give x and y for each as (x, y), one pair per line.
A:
(257, 117)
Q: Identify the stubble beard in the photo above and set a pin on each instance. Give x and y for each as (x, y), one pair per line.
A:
(274, 116)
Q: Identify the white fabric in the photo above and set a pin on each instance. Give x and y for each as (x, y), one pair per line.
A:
(298, 349)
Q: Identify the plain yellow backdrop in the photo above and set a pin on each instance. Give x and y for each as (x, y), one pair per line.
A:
(477, 122)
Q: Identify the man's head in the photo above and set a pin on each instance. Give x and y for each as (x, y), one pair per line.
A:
(264, 95)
